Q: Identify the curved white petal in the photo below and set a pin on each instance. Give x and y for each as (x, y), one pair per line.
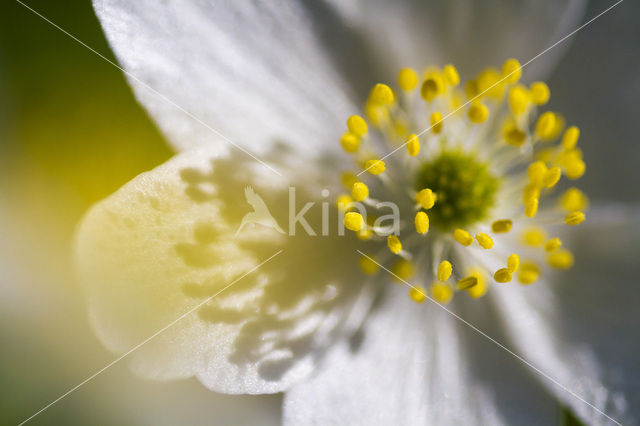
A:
(418, 365)
(165, 243)
(581, 327)
(256, 72)
(472, 35)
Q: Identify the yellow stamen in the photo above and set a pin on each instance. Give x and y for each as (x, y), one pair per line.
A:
(514, 136)
(357, 125)
(463, 237)
(441, 293)
(534, 237)
(413, 145)
(553, 245)
(502, 226)
(575, 168)
(570, 137)
(480, 289)
(529, 273)
(467, 282)
(407, 79)
(426, 198)
(436, 122)
(348, 179)
(503, 275)
(343, 202)
(518, 99)
(574, 199)
(382, 94)
(432, 86)
(359, 191)
(444, 270)
(539, 92)
(403, 270)
(530, 192)
(368, 266)
(350, 142)
(551, 177)
(546, 125)
(353, 221)
(375, 167)
(574, 218)
(451, 76)
(561, 259)
(531, 207)
(394, 244)
(478, 112)
(422, 222)
(536, 172)
(513, 262)
(511, 71)
(485, 241)
(418, 294)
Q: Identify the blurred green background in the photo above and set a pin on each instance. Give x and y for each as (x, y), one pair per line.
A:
(71, 133)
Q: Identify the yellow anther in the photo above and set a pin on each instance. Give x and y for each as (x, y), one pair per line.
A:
(574, 199)
(413, 145)
(546, 125)
(574, 218)
(426, 198)
(359, 191)
(553, 245)
(407, 79)
(350, 142)
(348, 179)
(451, 76)
(422, 222)
(536, 172)
(377, 114)
(545, 155)
(575, 168)
(353, 221)
(368, 266)
(513, 262)
(444, 270)
(463, 237)
(518, 99)
(436, 122)
(502, 226)
(381, 94)
(551, 177)
(514, 136)
(480, 289)
(503, 275)
(529, 273)
(394, 244)
(471, 89)
(357, 125)
(539, 92)
(560, 259)
(418, 294)
(433, 86)
(511, 71)
(530, 192)
(531, 207)
(467, 282)
(403, 270)
(485, 241)
(534, 237)
(441, 293)
(343, 202)
(489, 83)
(570, 137)
(478, 112)
(375, 167)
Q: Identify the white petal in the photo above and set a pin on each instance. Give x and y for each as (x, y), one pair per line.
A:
(165, 242)
(415, 365)
(581, 328)
(473, 35)
(257, 73)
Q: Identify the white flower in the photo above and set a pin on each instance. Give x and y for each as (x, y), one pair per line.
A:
(280, 80)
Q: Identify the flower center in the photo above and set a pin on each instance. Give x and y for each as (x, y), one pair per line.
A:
(473, 174)
(465, 189)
